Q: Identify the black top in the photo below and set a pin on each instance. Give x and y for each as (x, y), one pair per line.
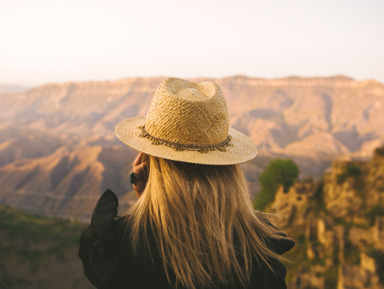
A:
(109, 262)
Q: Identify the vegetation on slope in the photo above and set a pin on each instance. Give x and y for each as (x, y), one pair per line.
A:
(39, 252)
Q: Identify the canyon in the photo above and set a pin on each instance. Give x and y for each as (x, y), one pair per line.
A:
(58, 151)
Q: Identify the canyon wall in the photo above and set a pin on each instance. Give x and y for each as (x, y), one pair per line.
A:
(58, 151)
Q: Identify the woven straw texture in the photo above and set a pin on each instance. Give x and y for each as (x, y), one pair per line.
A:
(191, 117)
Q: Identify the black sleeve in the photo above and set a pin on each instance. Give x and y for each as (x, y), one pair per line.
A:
(276, 279)
(279, 246)
(98, 245)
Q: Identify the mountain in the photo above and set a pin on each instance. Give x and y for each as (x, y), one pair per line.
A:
(58, 151)
(7, 88)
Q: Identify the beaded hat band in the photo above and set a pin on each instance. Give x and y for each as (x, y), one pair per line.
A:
(189, 147)
(187, 122)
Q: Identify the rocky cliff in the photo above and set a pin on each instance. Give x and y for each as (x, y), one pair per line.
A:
(338, 226)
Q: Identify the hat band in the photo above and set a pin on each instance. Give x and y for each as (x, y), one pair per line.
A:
(188, 147)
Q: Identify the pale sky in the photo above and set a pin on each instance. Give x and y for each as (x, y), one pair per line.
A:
(77, 40)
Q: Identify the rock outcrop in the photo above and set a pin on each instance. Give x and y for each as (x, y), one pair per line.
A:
(338, 225)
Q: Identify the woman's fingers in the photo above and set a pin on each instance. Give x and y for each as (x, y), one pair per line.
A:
(138, 159)
(140, 168)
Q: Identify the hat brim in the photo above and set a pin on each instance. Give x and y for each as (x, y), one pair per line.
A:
(242, 149)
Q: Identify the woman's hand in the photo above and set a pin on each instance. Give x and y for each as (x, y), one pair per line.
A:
(140, 168)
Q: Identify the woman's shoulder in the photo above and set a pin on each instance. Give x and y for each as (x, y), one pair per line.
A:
(100, 242)
(281, 243)
(106, 226)
(107, 255)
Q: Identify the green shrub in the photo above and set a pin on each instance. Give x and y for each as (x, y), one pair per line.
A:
(379, 151)
(378, 255)
(278, 172)
(351, 254)
(374, 212)
(330, 277)
(350, 170)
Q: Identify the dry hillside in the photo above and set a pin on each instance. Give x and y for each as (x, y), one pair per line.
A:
(58, 150)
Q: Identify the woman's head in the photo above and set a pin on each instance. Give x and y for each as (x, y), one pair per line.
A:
(198, 213)
(187, 122)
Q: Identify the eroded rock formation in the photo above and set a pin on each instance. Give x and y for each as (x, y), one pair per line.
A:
(338, 224)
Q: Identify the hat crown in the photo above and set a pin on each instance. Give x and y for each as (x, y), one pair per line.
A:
(188, 113)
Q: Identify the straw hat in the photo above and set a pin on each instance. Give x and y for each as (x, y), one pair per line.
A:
(187, 122)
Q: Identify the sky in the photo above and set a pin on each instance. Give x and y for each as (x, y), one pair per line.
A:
(80, 40)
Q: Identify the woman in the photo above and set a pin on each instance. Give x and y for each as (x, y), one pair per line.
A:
(193, 225)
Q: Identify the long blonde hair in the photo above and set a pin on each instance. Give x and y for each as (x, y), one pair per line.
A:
(195, 212)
